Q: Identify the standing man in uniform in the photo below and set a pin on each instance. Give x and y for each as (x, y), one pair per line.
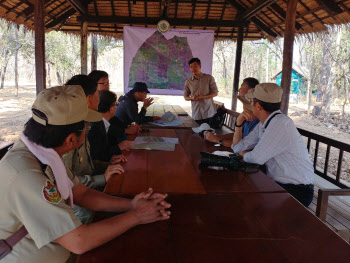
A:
(37, 191)
(200, 89)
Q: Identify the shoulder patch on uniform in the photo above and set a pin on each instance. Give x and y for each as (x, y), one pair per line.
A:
(50, 193)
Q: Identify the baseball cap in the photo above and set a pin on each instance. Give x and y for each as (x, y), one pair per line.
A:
(140, 87)
(63, 105)
(266, 92)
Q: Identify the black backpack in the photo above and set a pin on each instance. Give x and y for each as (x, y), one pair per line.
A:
(218, 118)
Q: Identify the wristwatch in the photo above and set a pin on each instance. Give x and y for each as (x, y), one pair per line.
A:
(220, 141)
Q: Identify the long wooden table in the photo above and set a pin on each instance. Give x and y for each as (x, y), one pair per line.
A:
(159, 110)
(178, 172)
(237, 227)
(217, 216)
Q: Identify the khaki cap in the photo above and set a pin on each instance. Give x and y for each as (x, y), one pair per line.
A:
(63, 105)
(266, 92)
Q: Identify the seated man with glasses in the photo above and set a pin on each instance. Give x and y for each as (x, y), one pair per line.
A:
(276, 142)
(102, 140)
(119, 129)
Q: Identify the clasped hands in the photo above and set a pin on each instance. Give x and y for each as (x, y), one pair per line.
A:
(150, 207)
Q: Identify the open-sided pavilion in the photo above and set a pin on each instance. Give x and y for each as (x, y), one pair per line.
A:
(230, 19)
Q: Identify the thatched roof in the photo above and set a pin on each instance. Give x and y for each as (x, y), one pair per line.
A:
(261, 18)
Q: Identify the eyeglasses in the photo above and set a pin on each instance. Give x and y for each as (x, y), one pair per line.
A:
(87, 127)
(106, 83)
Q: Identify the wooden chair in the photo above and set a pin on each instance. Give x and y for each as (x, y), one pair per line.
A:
(230, 120)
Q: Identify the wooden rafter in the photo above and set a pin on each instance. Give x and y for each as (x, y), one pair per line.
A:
(154, 21)
(262, 13)
(331, 6)
(255, 20)
(309, 11)
(113, 13)
(30, 9)
(77, 5)
(255, 9)
(61, 18)
(283, 14)
(96, 13)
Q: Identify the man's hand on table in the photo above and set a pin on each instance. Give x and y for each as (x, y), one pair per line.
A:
(125, 145)
(117, 159)
(156, 118)
(211, 137)
(113, 169)
(133, 129)
(150, 207)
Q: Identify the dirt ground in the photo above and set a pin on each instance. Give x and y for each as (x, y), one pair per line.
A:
(15, 111)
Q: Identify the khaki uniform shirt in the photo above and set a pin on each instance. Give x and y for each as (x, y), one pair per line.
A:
(25, 201)
(80, 163)
(205, 85)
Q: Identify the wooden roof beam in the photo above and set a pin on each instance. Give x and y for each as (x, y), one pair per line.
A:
(154, 21)
(331, 6)
(79, 6)
(61, 18)
(255, 20)
(255, 9)
(283, 14)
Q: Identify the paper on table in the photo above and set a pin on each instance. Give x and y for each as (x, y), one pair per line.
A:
(168, 119)
(155, 143)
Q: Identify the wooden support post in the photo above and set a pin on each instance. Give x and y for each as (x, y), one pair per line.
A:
(287, 64)
(39, 28)
(83, 47)
(237, 68)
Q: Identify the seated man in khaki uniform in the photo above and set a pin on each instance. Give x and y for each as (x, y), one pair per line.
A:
(37, 191)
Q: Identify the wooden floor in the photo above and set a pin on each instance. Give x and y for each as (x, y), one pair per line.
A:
(338, 214)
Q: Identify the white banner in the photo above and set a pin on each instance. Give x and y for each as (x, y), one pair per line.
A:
(161, 60)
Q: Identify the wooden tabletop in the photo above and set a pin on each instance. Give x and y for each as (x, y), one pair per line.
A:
(177, 171)
(236, 227)
(159, 110)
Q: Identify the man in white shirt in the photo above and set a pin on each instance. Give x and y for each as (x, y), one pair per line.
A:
(276, 142)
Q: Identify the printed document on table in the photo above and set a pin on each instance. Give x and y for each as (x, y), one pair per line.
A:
(168, 119)
(155, 143)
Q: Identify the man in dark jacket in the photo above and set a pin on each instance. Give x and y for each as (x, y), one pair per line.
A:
(127, 110)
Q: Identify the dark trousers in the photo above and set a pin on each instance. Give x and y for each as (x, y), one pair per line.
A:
(303, 193)
(208, 120)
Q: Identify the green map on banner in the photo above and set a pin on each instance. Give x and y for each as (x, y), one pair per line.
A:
(162, 63)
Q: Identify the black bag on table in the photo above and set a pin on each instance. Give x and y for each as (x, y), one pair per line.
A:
(218, 118)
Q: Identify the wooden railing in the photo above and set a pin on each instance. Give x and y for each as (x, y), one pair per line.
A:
(323, 172)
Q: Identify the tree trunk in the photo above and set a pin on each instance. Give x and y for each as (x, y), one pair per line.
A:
(267, 65)
(326, 67)
(48, 74)
(330, 86)
(309, 84)
(346, 93)
(16, 59)
(94, 53)
(4, 69)
(59, 79)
